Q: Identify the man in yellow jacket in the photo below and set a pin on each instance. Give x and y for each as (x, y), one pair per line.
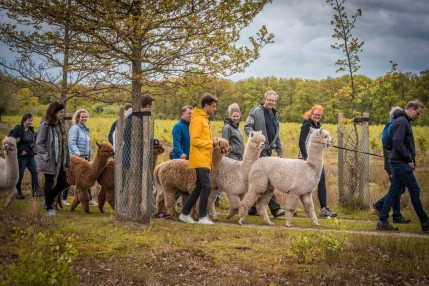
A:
(200, 158)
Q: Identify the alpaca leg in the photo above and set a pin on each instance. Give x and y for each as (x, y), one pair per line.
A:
(261, 206)
(84, 199)
(256, 189)
(58, 201)
(307, 202)
(290, 206)
(159, 201)
(211, 209)
(110, 197)
(76, 200)
(11, 195)
(234, 204)
(170, 201)
(101, 199)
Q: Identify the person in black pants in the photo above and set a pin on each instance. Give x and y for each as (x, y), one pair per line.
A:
(311, 122)
(26, 150)
(53, 155)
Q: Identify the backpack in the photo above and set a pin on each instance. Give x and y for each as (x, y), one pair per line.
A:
(9, 134)
(386, 136)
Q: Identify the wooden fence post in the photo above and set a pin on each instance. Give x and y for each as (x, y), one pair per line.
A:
(341, 193)
(146, 167)
(364, 177)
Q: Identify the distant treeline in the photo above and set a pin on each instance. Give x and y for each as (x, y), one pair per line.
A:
(296, 96)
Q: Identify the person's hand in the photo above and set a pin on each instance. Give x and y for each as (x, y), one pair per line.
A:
(78, 154)
(183, 156)
(282, 156)
(23, 153)
(412, 165)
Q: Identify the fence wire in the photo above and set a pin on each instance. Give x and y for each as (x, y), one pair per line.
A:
(354, 166)
(130, 168)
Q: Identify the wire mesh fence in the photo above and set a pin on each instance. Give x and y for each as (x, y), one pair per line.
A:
(353, 166)
(133, 168)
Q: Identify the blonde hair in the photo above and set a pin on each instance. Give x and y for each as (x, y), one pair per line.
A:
(77, 114)
(308, 114)
(233, 108)
(271, 92)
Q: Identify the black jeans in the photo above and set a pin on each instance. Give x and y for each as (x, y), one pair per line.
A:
(272, 204)
(202, 191)
(30, 163)
(52, 191)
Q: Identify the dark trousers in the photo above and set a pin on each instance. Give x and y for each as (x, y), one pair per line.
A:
(52, 191)
(396, 204)
(202, 191)
(321, 189)
(30, 163)
(402, 176)
(272, 204)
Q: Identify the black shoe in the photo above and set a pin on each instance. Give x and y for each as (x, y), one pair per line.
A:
(401, 219)
(425, 225)
(386, 226)
(377, 210)
(20, 196)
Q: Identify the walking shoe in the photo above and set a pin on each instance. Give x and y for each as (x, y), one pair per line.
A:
(65, 203)
(386, 226)
(51, 212)
(401, 219)
(280, 213)
(377, 210)
(425, 226)
(205, 220)
(92, 203)
(186, 218)
(20, 196)
(327, 212)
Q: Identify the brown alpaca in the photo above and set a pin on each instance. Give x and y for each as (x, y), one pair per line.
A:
(175, 176)
(83, 174)
(9, 171)
(107, 179)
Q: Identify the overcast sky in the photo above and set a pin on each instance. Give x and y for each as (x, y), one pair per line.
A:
(396, 30)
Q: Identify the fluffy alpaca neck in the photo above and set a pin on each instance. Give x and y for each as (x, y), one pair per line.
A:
(249, 157)
(97, 165)
(9, 177)
(315, 155)
(216, 160)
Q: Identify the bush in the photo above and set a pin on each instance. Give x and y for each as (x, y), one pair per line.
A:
(43, 260)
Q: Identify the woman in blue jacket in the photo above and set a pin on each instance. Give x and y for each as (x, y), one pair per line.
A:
(79, 144)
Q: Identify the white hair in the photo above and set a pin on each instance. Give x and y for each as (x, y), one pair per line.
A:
(270, 92)
(392, 110)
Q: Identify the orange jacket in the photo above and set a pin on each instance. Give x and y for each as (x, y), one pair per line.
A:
(200, 153)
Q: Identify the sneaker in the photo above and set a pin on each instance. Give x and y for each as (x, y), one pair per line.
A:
(386, 226)
(425, 226)
(20, 196)
(327, 212)
(205, 220)
(92, 203)
(65, 203)
(280, 212)
(51, 212)
(401, 219)
(377, 210)
(186, 218)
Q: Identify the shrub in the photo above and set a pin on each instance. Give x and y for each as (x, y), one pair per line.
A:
(44, 259)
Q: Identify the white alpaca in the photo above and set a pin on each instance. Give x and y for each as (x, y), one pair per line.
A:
(293, 176)
(232, 178)
(9, 170)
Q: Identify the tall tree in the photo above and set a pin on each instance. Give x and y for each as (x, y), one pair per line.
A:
(349, 45)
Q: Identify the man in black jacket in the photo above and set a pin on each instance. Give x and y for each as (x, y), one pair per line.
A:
(402, 160)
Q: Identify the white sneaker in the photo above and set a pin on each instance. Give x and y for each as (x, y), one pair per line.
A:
(92, 203)
(186, 218)
(65, 203)
(51, 212)
(205, 220)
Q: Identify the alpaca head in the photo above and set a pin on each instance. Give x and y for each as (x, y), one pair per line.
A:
(322, 137)
(256, 140)
(105, 149)
(223, 146)
(157, 147)
(9, 145)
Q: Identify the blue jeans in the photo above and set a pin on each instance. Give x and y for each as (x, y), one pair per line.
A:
(402, 176)
(30, 163)
(202, 191)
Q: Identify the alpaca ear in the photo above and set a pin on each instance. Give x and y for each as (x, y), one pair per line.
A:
(251, 134)
(98, 144)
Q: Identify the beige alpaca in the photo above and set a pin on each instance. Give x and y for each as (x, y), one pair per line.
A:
(175, 176)
(9, 170)
(296, 177)
(83, 174)
(107, 179)
(232, 178)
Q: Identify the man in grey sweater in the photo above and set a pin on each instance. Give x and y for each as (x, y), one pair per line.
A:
(264, 118)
